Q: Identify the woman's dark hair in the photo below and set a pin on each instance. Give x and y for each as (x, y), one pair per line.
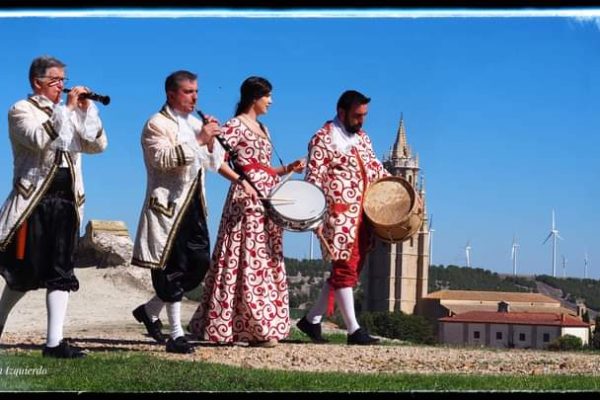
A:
(252, 88)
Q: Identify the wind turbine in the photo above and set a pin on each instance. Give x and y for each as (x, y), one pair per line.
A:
(515, 248)
(554, 234)
(564, 267)
(468, 253)
(586, 262)
(431, 230)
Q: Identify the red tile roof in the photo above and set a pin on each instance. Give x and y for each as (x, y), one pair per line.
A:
(518, 318)
(463, 308)
(490, 296)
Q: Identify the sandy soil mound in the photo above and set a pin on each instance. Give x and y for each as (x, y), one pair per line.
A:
(105, 299)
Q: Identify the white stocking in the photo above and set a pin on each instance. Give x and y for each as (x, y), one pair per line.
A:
(153, 308)
(316, 312)
(7, 302)
(345, 300)
(174, 314)
(56, 308)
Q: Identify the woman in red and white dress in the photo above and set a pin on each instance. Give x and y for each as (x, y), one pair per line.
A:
(245, 296)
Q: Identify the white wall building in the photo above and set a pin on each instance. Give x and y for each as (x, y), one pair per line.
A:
(503, 328)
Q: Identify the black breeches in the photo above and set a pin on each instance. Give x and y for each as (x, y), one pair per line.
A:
(189, 258)
(51, 239)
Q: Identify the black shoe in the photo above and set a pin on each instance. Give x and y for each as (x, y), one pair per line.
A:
(361, 337)
(179, 345)
(313, 331)
(153, 328)
(267, 344)
(63, 350)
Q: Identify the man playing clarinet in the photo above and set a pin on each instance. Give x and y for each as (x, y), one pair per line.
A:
(172, 237)
(39, 222)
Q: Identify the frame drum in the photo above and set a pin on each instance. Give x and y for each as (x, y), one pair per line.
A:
(393, 208)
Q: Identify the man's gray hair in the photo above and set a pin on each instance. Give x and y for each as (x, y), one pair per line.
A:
(40, 65)
(173, 80)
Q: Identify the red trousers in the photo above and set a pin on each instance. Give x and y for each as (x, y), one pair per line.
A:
(345, 273)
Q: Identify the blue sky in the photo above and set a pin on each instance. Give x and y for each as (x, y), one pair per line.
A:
(504, 112)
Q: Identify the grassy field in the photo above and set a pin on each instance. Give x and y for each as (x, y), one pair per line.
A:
(135, 372)
(126, 372)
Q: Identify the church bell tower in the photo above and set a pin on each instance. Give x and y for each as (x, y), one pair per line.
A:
(396, 274)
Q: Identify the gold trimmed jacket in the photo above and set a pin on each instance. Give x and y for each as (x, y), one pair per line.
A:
(32, 132)
(175, 168)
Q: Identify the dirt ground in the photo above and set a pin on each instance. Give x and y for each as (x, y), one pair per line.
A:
(99, 319)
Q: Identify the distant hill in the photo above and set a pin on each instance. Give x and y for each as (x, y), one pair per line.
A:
(566, 290)
(305, 267)
(463, 278)
(574, 289)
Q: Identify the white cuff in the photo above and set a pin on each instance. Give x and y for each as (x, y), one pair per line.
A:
(89, 123)
(61, 122)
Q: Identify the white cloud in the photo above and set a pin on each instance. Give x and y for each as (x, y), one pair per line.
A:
(589, 19)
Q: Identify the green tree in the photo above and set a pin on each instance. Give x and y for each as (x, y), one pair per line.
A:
(586, 316)
(397, 325)
(595, 344)
(566, 342)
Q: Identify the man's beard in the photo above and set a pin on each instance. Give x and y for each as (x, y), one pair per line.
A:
(352, 128)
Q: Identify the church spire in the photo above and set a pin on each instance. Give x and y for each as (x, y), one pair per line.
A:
(401, 149)
(400, 161)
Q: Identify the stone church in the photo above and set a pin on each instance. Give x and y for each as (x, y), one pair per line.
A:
(395, 275)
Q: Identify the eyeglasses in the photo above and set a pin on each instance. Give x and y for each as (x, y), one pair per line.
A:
(53, 80)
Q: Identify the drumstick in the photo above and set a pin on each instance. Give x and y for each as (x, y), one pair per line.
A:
(277, 199)
(286, 177)
(282, 203)
(325, 244)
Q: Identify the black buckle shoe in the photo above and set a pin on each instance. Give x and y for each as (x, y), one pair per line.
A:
(179, 345)
(153, 328)
(63, 350)
(361, 337)
(267, 344)
(313, 331)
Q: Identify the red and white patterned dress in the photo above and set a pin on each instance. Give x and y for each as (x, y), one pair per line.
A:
(245, 296)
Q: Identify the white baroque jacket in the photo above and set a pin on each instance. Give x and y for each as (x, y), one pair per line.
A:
(175, 166)
(34, 126)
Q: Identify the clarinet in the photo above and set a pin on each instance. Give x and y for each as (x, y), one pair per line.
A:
(92, 96)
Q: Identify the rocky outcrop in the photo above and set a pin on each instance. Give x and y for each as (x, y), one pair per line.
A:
(105, 244)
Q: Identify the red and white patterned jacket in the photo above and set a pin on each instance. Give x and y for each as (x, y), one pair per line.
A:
(344, 178)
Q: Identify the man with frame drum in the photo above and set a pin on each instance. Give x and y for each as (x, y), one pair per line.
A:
(341, 161)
